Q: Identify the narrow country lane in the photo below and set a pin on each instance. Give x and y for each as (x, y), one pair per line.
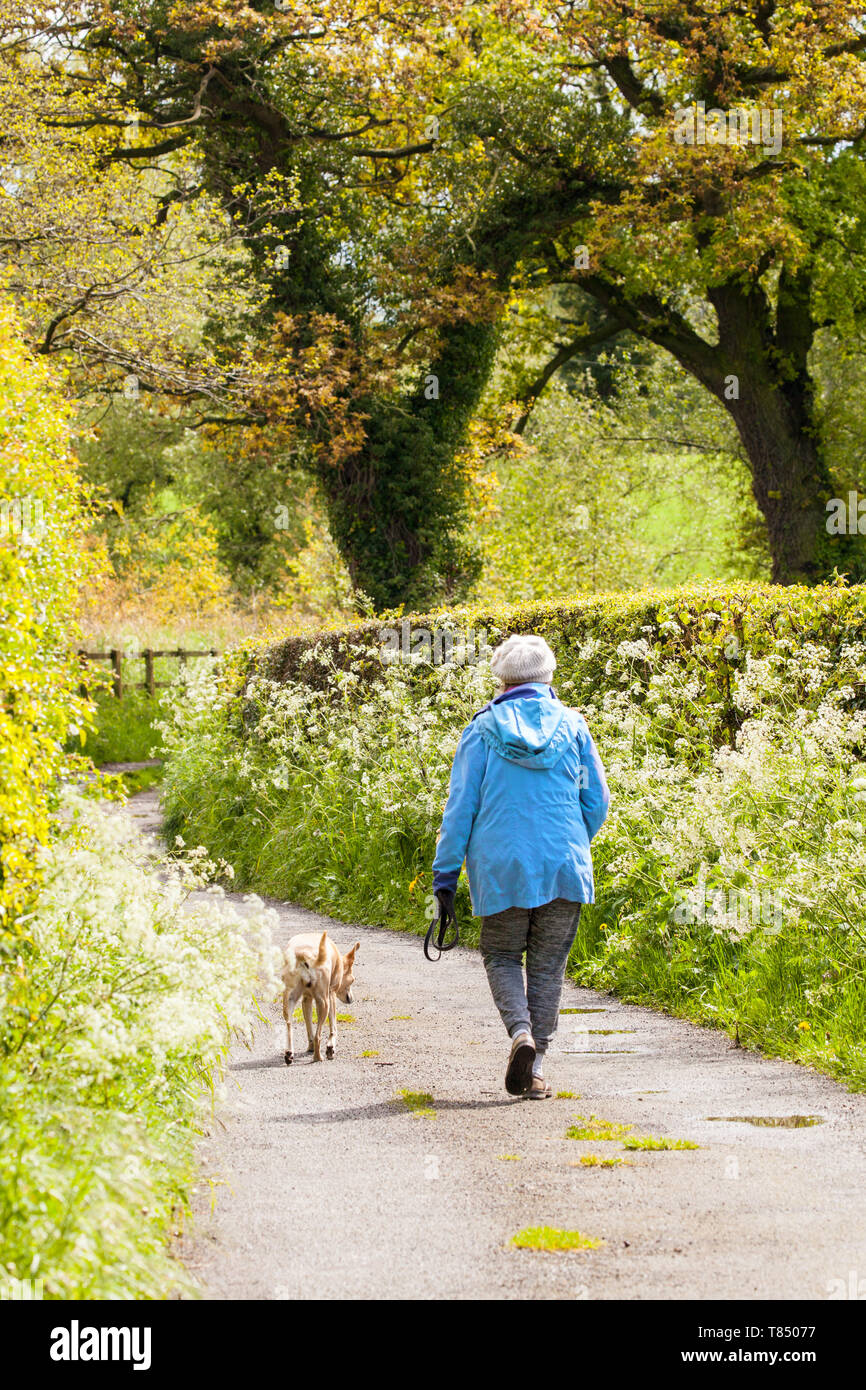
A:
(317, 1181)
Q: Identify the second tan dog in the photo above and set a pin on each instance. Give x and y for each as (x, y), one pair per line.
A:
(316, 971)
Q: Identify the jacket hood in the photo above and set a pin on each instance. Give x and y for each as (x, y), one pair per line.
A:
(529, 731)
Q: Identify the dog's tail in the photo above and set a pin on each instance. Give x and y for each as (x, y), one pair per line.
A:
(323, 949)
(297, 966)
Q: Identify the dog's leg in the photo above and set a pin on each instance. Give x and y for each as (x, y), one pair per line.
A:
(321, 1011)
(331, 1049)
(289, 1001)
(307, 1005)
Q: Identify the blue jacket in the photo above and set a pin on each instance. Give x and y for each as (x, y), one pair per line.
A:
(527, 795)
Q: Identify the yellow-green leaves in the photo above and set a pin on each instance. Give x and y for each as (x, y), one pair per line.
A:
(42, 561)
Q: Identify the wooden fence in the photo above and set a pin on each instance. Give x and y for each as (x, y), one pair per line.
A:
(148, 656)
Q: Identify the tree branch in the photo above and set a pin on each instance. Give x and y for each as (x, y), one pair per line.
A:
(565, 352)
(629, 84)
(648, 316)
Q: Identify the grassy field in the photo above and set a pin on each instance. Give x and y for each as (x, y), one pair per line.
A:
(124, 729)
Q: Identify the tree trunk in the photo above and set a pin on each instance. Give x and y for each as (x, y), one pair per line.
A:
(769, 394)
(759, 372)
(398, 508)
(789, 480)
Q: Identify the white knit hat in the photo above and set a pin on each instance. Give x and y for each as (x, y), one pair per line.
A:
(523, 659)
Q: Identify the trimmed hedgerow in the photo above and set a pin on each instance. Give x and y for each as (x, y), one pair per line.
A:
(706, 627)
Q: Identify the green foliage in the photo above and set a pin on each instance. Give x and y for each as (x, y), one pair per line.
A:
(401, 520)
(593, 1161)
(596, 1130)
(118, 996)
(617, 493)
(140, 779)
(259, 505)
(364, 262)
(418, 1103)
(646, 1143)
(126, 452)
(182, 514)
(42, 562)
(694, 625)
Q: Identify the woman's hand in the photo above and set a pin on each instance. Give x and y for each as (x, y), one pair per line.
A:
(445, 898)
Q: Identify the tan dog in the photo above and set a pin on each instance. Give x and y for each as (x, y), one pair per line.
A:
(315, 970)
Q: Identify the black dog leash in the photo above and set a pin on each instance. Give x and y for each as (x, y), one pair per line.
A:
(441, 926)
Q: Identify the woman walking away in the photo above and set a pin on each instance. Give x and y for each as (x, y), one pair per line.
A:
(527, 795)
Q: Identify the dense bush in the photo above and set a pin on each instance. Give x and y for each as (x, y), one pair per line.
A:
(731, 721)
(42, 562)
(111, 1052)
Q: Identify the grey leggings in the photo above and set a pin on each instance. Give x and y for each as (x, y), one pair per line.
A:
(546, 935)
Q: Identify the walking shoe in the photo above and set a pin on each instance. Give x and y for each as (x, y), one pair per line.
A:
(540, 1089)
(518, 1076)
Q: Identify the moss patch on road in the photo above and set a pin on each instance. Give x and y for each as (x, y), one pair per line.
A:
(594, 1129)
(418, 1103)
(646, 1141)
(549, 1238)
(593, 1161)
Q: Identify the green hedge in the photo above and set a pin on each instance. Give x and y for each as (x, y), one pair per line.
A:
(706, 627)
